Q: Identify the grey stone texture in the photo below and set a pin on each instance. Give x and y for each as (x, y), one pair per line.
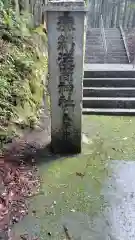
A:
(66, 57)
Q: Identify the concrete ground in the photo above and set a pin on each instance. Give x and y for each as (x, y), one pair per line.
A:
(90, 196)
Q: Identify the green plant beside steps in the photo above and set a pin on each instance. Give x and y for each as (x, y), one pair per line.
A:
(22, 65)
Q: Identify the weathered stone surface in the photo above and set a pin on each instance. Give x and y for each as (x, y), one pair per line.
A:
(66, 48)
(66, 6)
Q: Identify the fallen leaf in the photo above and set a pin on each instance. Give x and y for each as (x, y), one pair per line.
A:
(49, 234)
(72, 210)
(24, 237)
(85, 139)
(80, 174)
(67, 232)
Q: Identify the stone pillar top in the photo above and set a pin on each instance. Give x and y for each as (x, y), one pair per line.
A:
(66, 6)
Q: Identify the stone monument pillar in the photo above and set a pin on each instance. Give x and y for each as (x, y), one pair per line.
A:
(65, 27)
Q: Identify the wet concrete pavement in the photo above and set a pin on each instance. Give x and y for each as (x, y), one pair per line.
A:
(119, 191)
(99, 206)
(114, 221)
(117, 221)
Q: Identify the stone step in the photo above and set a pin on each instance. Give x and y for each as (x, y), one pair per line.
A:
(94, 53)
(89, 51)
(119, 52)
(93, 30)
(102, 72)
(93, 41)
(112, 29)
(101, 57)
(117, 60)
(113, 39)
(93, 34)
(109, 82)
(112, 33)
(110, 36)
(122, 54)
(108, 92)
(109, 111)
(118, 48)
(88, 60)
(109, 39)
(93, 37)
(93, 57)
(105, 102)
(95, 60)
(115, 55)
(94, 48)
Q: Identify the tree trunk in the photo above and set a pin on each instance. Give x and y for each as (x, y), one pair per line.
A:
(110, 15)
(129, 18)
(93, 13)
(113, 14)
(133, 21)
(103, 9)
(17, 7)
(118, 14)
(26, 6)
(125, 13)
(6, 3)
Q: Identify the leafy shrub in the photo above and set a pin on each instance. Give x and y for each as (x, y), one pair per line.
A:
(21, 68)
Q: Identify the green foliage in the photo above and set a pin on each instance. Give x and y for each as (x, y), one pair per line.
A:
(21, 68)
(86, 2)
(132, 5)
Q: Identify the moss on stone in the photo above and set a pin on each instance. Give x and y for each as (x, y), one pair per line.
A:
(22, 66)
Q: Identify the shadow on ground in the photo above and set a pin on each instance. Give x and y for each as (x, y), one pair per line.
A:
(91, 194)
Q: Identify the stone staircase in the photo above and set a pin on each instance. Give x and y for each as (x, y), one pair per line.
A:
(95, 52)
(109, 89)
(116, 52)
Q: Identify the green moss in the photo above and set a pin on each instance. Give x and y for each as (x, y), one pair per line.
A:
(79, 198)
(22, 66)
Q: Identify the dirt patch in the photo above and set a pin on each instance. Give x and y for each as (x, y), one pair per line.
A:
(18, 181)
(19, 174)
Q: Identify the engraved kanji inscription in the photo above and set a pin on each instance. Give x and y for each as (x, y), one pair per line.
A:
(65, 61)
